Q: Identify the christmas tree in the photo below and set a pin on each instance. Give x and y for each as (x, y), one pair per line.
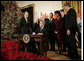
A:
(10, 18)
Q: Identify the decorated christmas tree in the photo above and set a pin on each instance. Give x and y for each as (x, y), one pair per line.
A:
(10, 18)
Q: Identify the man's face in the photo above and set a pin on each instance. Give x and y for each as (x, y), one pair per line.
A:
(42, 17)
(62, 13)
(51, 16)
(41, 24)
(37, 20)
(26, 14)
(66, 8)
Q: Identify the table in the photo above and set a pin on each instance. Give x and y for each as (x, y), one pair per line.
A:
(37, 38)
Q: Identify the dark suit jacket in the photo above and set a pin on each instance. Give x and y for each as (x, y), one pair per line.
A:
(70, 22)
(51, 26)
(25, 27)
(64, 18)
(51, 29)
(44, 31)
(47, 23)
(64, 23)
(35, 26)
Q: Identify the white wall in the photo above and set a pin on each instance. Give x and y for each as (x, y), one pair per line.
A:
(42, 6)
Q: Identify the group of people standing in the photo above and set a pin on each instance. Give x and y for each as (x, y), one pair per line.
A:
(62, 30)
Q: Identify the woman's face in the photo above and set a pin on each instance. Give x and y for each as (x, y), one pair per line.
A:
(57, 15)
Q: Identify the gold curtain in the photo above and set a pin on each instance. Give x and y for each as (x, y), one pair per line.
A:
(74, 4)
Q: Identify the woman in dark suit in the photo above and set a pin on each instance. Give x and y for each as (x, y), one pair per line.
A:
(58, 30)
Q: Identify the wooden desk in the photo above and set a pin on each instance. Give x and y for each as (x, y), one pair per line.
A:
(37, 38)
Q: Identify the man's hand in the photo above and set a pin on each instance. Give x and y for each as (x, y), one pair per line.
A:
(40, 34)
(33, 33)
(68, 32)
(56, 32)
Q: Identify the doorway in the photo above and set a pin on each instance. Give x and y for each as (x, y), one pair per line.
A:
(30, 9)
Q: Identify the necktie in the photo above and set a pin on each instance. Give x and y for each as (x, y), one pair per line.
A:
(41, 30)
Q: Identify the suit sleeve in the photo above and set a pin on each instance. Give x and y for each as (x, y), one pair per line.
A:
(20, 25)
(53, 26)
(60, 25)
(70, 20)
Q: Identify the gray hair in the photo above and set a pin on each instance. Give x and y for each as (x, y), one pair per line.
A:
(43, 22)
(67, 4)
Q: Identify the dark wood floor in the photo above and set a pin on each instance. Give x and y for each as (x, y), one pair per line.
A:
(55, 56)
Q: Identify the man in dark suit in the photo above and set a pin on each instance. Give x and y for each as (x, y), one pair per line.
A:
(44, 23)
(51, 32)
(46, 20)
(24, 25)
(36, 24)
(71, 28)
(41, 30)
(63, 31)
(25, 28)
